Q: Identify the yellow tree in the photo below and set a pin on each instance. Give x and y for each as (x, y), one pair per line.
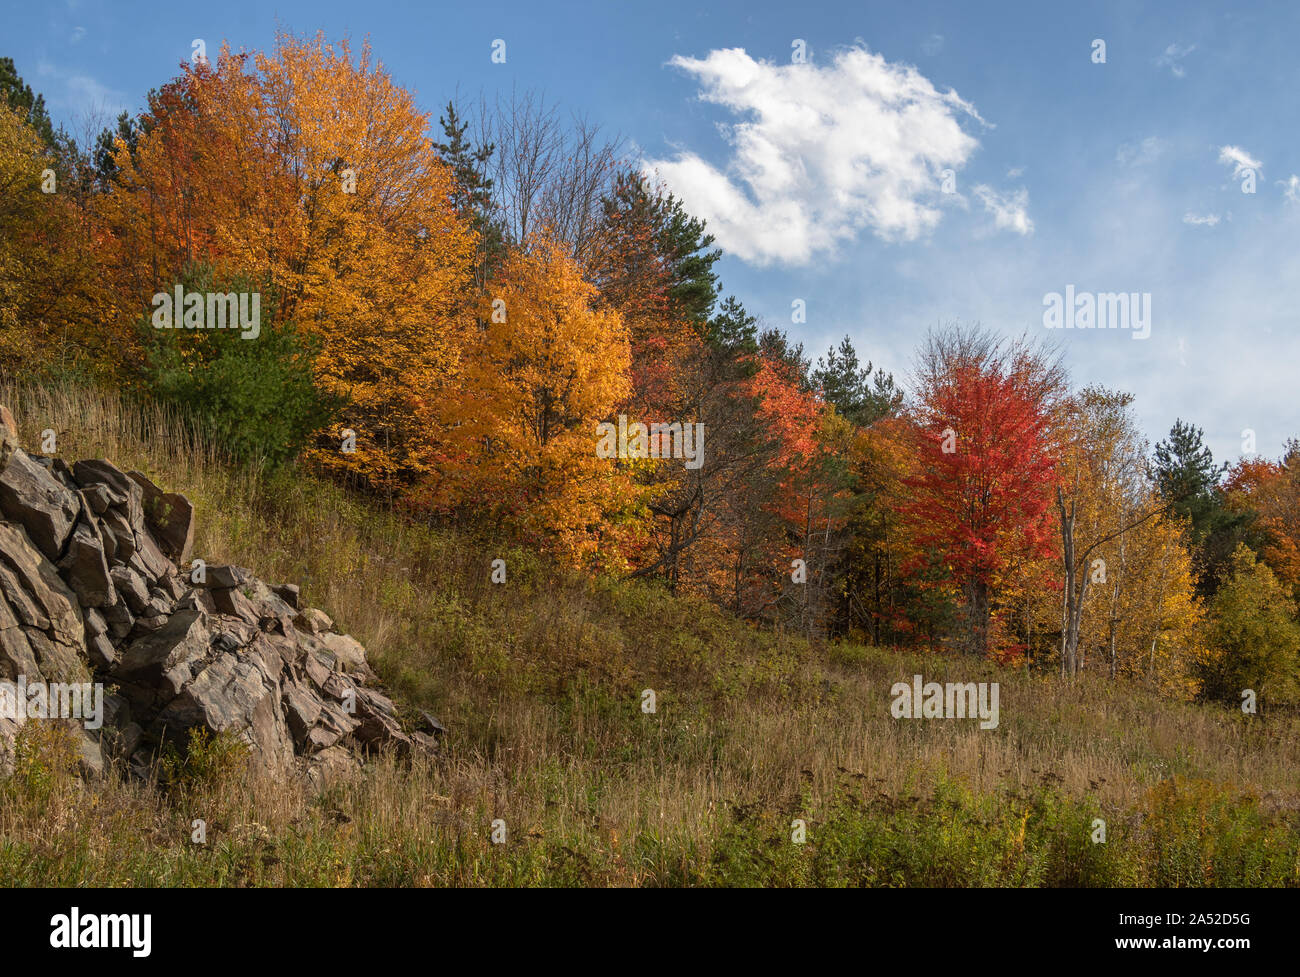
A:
(520, 429)
(310, 166)
(1128, 605)
(1153, 621)
(48, 290)
(1101, 495)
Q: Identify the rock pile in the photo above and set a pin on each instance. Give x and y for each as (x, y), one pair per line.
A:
(92, 590)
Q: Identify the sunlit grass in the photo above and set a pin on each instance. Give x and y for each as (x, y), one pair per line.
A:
(539, 681)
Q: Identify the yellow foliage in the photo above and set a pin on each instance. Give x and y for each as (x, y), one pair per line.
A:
(520, 427)
(312, 167)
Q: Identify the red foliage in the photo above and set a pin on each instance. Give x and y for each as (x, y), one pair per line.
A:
(985, 501)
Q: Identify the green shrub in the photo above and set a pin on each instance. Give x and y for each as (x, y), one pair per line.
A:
(1253, 637)
(208, 762)
(256, 397)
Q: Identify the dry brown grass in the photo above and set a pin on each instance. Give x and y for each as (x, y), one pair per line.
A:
(539, 681)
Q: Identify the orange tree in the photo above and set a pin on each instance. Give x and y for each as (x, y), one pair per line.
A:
(308, 166)
(515, 441)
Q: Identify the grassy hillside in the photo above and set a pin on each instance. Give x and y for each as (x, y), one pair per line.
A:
(539, 682)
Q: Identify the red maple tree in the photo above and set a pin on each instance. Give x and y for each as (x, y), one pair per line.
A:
(981, 491)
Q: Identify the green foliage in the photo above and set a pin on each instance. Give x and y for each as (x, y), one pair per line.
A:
(1188, 479)
(1253, 638)
(733, 332)
(858, 395)
(1186, 476)
(1183, 833)
(256, 397)
(28, 104)
(45, 760)
(105, 147)
(207, 762)
(472, 196)
(774, 344)
(680, 242)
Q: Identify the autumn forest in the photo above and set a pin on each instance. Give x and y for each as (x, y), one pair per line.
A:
(469, 372)
(470, 305)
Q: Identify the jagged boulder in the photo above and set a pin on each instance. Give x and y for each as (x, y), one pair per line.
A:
(90, 588)
(170, 518)
(42, 631)
(34, 499)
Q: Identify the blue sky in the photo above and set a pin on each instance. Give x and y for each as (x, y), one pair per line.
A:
(824, 180)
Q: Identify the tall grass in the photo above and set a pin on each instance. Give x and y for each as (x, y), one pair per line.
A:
(539, 681)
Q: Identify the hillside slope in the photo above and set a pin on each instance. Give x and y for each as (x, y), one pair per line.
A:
(540, 682)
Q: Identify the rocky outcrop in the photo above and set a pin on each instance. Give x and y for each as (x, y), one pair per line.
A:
(96, 586)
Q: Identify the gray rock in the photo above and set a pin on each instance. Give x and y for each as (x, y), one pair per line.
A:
(132, 587)
(149, 560)
(234, 693)
(197, 600)
(333, 765)
(346, 649)
(23, 605)
(31, 582)
(314, 621)
(424, 742)
(301, 710)
(146, 625)
(95, 623)
(99, 472)
(16, 657)
(378, 727)
(31, 497)
(87, 581)
(332, 725)
(101, 498)
(225, 577)
(103, 656)
(288, 593)
(58, 662)
(431, 724)
(184, 638)
(90, 757)
(173, 587)
(235, 604)
(85, 567)
(115, 523)
(169, 516)
(120, 620)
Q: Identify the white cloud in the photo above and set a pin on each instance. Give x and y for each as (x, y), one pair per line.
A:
(77, 96)
(1015, 173)
(1173, 57)
(1238, 159)
(932, 45)
(1147, 151)
(819, 153)
(1010, 211)
(83, 94)
(1292, 191)
(1209, 220)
